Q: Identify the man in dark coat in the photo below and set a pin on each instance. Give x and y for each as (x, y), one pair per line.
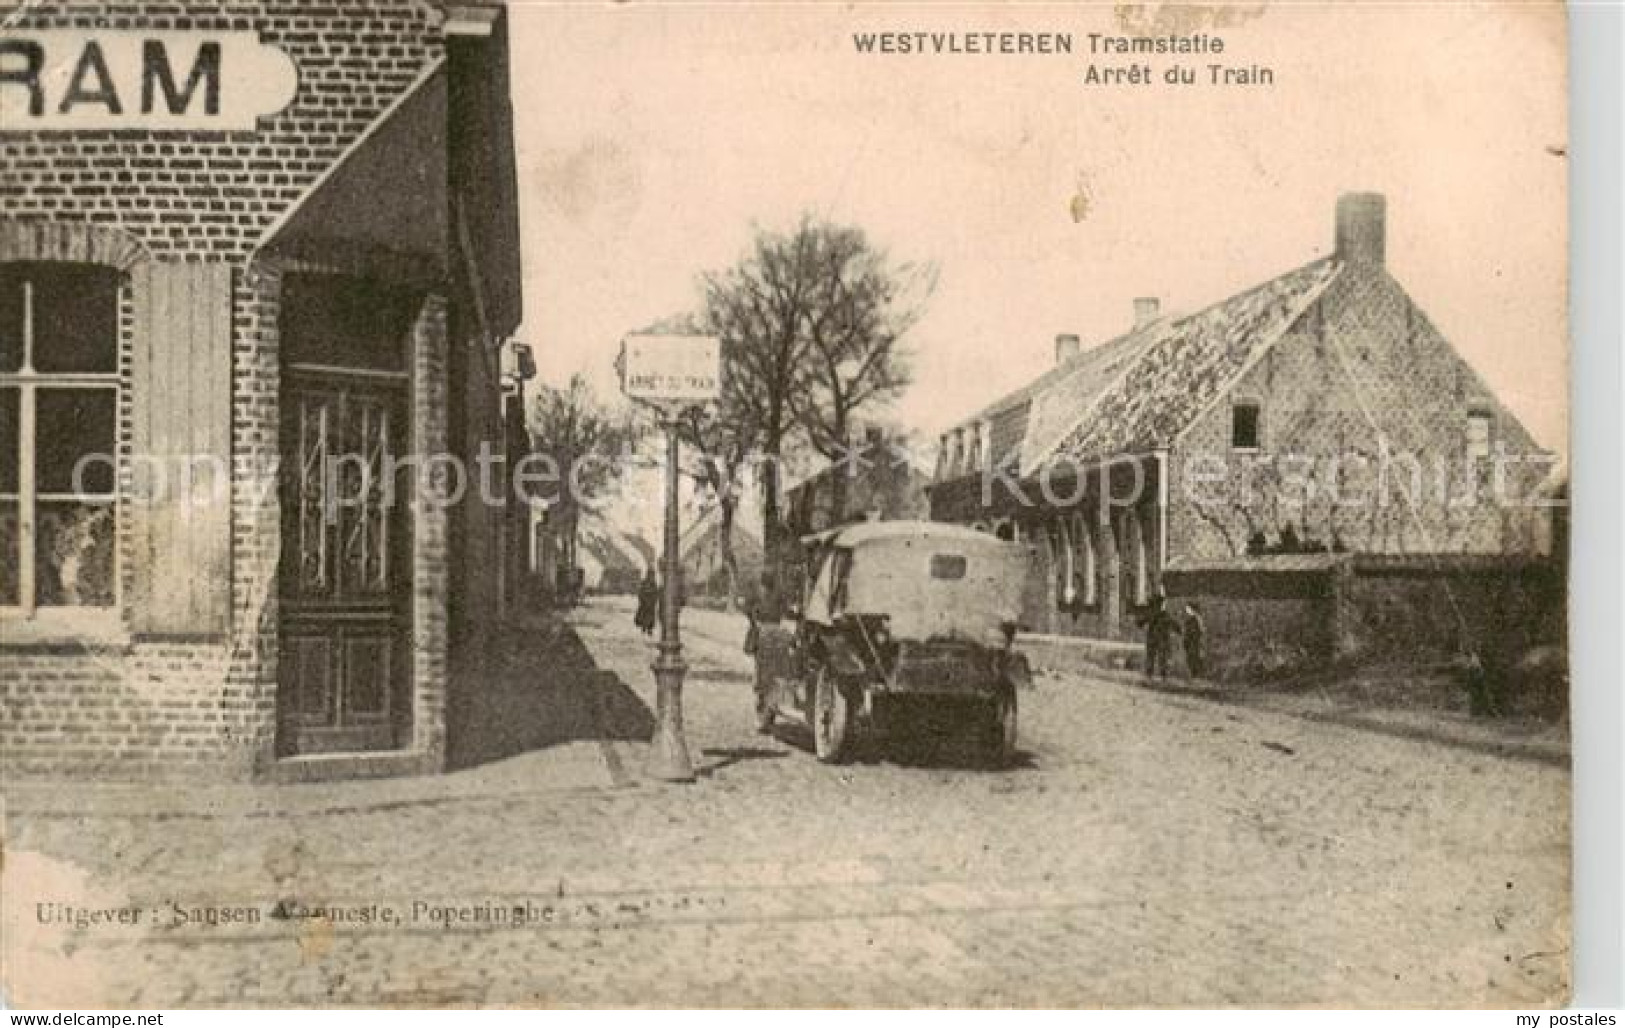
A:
(1193, 629)
(1160, 628)
(648, 603)
(763, 606)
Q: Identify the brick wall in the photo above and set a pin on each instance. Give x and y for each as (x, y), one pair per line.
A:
(1283, 616)
(150, 707)
(1265, 618)
(1420, 608)
(1363, 354)
(256, 526)
(213, 195)
(430, 570)
(140, 710)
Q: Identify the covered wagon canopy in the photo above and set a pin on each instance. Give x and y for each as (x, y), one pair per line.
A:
(930, 578)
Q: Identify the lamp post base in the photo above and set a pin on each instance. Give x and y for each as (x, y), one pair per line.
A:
(668, 755)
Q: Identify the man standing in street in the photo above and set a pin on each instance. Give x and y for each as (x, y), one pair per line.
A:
(1160, 627)
(762, 606)
(1194, 630)
(648, 603)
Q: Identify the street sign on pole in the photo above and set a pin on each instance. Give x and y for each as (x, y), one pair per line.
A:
(671, 370)
(672, 373)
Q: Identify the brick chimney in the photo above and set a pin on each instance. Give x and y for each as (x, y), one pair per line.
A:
(1361, 219)
(1067, 346)
(1146, 309)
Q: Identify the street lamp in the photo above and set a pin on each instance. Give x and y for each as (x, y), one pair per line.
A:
(668, 761)
(672, 374)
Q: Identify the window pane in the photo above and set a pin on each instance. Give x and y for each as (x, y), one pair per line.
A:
(75, 318)
(1244, 427)
(947, 566)
(10, 554)
(10, 445)
(75, 425)
(74, 554)
(11, 317)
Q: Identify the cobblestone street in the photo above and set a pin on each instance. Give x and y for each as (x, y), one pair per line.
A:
(1148, 849)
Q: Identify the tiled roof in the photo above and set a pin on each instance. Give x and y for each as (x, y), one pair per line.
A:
(1045, 406)
(1167, 374)
(707, 523)
(1081, 382)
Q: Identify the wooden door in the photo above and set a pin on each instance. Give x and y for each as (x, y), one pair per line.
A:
(345, 579)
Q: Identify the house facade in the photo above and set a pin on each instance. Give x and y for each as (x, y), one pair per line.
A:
(704, 567)
(1319, 412)
(258, 264)
(879, 482)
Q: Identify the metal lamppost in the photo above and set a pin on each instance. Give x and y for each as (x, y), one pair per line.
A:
(668, 760)
(672, 374)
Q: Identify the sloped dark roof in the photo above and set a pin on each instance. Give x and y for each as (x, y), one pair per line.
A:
(1141, 389)
(707, 524)
(1049, 403)
(611, 549)
(1184, 368)
(1079, 385)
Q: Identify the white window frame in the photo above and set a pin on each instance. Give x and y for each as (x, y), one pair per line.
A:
(29, 383)
(1086, 548)
(1135, 534)
(1063, 536)
(1480, 416)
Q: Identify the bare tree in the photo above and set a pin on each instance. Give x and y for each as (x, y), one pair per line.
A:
(585, 443)
(721, 449)
(809, 323)
(865, 305)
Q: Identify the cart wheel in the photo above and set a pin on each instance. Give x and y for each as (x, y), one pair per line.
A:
(832, 718)
(1001, 729)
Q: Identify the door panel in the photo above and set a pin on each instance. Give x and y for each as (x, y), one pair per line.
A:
(344, 583)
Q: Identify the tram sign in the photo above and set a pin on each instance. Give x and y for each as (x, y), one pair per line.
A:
(671, 368)
(66, 80)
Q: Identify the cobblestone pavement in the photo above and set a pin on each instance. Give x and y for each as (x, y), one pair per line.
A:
(1150, 849)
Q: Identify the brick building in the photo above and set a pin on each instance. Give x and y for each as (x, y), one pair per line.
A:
(1318, 412)
(700, 555)
(879, 482)
(276, 243)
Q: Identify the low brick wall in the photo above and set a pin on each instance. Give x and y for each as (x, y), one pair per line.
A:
(1292, 615)
(1265, 618)
(1420, 608)
(140, 711)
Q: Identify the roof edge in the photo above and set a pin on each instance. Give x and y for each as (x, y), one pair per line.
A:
(1309, 300)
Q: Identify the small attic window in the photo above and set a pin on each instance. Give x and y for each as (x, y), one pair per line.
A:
(1480, 427)
(1244, 424)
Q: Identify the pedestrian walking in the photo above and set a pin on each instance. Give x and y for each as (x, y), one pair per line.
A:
(763, 606)
(1194, 633)
(648, 602)
(1160, 628)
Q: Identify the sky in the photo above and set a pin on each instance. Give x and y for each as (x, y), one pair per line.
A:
(653, 138)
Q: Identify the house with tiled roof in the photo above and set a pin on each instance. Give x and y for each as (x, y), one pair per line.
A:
(1318, 412)
(700, 553)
